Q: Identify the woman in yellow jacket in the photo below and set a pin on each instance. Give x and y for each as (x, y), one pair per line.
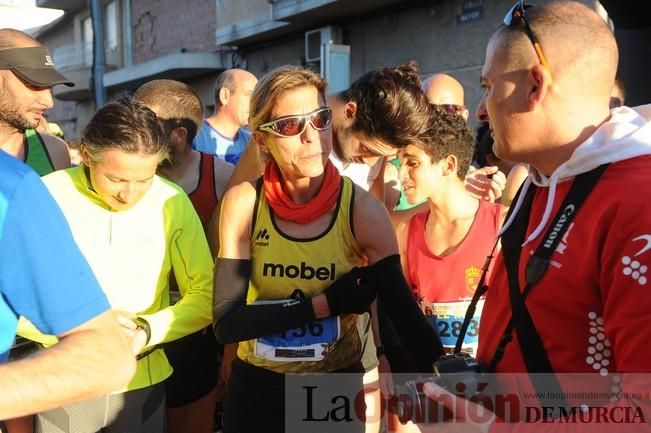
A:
(135, 229)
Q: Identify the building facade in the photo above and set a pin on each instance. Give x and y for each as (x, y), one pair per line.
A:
(143, 40)
(194, 40)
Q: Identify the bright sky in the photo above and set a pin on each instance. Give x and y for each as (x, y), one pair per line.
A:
(23, 15)
(19, 2)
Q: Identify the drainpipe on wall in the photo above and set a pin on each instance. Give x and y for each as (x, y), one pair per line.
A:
(99, 55)
(127, 35)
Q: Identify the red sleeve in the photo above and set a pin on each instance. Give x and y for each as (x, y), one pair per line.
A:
(625, 287)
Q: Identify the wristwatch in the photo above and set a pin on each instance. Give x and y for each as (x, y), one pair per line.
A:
(379, 351)
(144, 325)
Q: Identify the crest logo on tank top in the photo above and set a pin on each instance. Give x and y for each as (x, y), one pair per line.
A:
(262, 238)
(472, 278)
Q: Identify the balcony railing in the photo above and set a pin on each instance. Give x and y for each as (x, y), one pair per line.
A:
(73, 55)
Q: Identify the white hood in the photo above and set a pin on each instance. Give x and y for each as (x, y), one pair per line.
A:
(625, 135)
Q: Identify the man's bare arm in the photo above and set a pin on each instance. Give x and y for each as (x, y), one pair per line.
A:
(92, 359)
(223, 172)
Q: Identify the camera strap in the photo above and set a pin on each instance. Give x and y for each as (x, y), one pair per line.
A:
(531, 346)
(482, 287)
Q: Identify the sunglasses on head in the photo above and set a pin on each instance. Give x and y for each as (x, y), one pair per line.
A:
(517, 15)
(450, 108)
(289, 126)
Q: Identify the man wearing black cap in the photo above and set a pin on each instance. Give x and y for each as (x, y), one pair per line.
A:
(26, 75)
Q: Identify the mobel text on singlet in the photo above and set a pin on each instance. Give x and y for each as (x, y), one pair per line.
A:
(303, 272)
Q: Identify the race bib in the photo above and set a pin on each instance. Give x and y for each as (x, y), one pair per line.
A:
(307, 343)
(447, 317)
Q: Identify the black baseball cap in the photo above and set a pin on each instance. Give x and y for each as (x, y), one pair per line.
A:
(34, 65)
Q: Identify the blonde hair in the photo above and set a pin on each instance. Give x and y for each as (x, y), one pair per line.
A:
(276, 83)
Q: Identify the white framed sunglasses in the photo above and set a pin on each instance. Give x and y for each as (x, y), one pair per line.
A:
(290, 126)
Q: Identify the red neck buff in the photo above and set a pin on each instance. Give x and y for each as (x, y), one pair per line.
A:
(286, 208)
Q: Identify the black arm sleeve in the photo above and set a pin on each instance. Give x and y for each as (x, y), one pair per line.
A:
(415, 333)
(234, 320)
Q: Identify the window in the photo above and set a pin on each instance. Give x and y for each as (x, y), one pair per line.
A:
(87, 41)
(111, 29)
(87, 30)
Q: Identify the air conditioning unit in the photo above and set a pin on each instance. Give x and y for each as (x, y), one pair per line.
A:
(314, 39)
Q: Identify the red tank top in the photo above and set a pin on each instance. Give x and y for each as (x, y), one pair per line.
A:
(204, 197)
(444, 285)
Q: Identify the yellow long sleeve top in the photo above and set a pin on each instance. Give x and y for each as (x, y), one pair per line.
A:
(132, 253)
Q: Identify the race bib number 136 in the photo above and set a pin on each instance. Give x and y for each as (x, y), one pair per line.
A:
(307, 343)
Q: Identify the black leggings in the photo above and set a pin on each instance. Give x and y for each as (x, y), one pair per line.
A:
(255, 400)
(195, 359)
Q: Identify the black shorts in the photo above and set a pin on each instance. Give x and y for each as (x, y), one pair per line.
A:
(255, 400)
(195, 359)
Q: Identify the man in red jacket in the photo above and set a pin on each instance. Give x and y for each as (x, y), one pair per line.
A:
(548, 76)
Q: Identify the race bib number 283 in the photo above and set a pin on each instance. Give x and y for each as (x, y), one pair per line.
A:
(447, 318)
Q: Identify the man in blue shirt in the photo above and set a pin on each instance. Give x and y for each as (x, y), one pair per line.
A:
(223, 134)
(44, 277)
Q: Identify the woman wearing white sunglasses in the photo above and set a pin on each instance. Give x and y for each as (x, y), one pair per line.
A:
(288, 284)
